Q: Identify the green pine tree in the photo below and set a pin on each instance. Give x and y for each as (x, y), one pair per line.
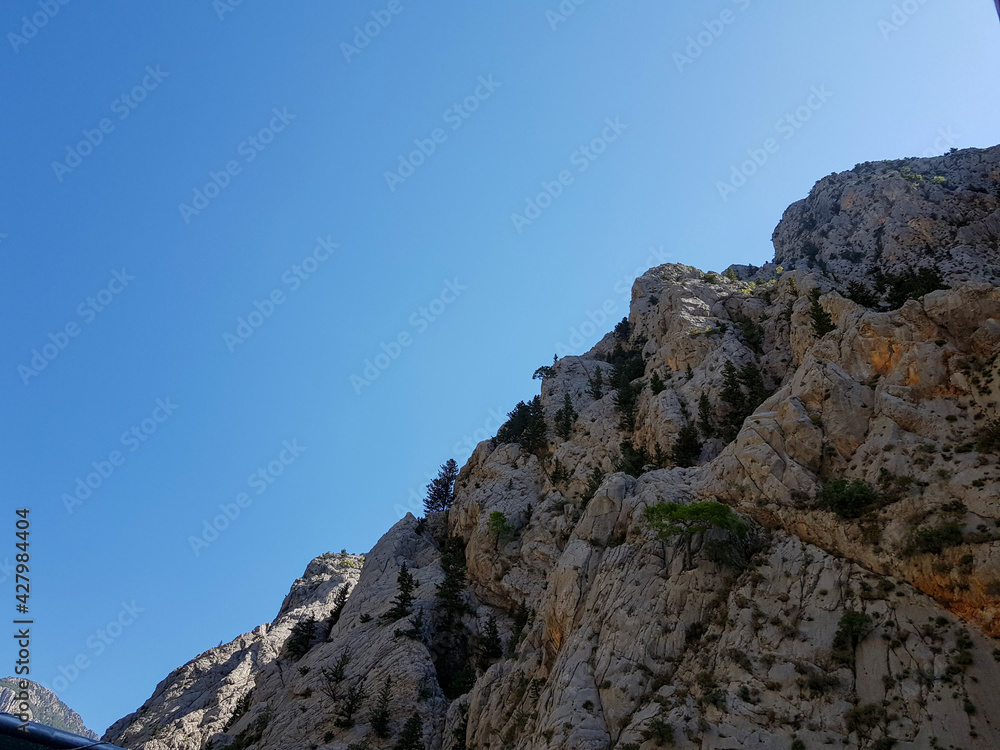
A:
(632, 460)
(356, 695)
(404, 596)
(687, 447)
(623, 330)
(490, 645)
(545, 371)
(461, 729)
(533, 439)
(450, 641)
(861, 293)
(412, 735)
(626, 402)
(822, 322)
(593, 484)
(525, 425)
(596, 385)
(520, 620)
(752, 379)
(687, 521)
(501, 529)
(705, 417)
(301, 638)
(416, 629)
(560, 473)
(379, 716)
(334, 676)
(743, 391)
(659, 457)
(733, 396)
(751, 333)
(441, 490)
(565, 418)
(338, 606)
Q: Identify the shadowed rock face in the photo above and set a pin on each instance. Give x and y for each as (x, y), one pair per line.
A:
(46, 707)
(614, 638)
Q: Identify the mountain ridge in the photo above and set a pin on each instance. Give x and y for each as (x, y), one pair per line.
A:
(842, 399)
(46, 707)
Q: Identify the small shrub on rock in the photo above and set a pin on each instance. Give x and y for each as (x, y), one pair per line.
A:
(851, 630)
(525, 426)
(821, 320)
(301, 638)
(848, 498)
(659, 731)
(934, 539)
(500, 527)
(862, 719)
(988, 440)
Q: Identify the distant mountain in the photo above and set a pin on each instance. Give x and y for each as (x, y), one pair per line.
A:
(46, 708)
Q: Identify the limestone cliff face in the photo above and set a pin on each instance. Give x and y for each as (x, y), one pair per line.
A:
(216, 692)
(864, 611)
(45, 706)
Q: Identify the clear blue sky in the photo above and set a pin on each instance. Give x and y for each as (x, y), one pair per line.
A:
(436, 256)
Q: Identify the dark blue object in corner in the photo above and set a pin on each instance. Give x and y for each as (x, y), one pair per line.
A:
(15, 735)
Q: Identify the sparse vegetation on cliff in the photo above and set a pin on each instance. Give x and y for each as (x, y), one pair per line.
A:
(401, 605)
(849, 498)
(301, 639)
(862, 493)
(525, 425)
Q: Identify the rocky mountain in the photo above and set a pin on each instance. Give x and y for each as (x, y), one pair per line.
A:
(760, 513)
(45, 706)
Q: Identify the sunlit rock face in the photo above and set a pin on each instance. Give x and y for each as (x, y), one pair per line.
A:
(44, 706)
(843, 400)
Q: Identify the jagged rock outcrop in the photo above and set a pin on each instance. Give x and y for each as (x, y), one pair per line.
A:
(45, 707)
(842, 399)
(212, 698)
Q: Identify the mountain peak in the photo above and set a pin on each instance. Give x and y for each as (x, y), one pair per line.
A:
(761, 512)
(45, 706)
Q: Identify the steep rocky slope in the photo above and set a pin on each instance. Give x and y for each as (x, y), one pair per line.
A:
(842, 400)
(45, 705)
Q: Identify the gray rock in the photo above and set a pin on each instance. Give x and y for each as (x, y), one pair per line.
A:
(45, 707)
(615, 638)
